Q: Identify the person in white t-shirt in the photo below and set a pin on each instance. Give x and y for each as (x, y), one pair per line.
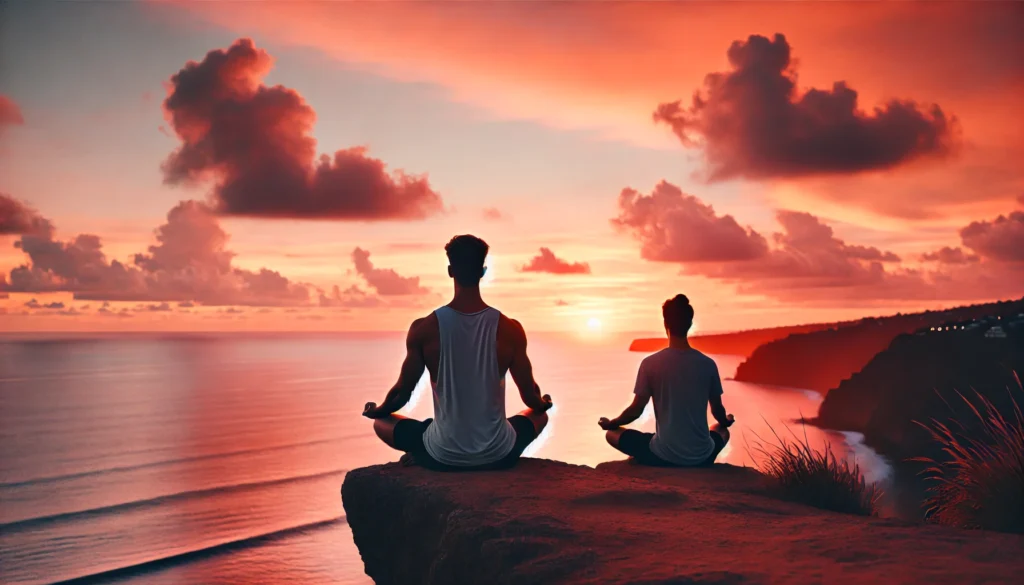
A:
(683, 382)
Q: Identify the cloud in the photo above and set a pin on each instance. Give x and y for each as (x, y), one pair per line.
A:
(255, 144)
(805, 260)
(188, 263)
(999, 239)
(546, 261)
(35, 304)
(385, 281)
(752, 122)
(676, 227)
(493, 214)
(106, 311)
(16, 217)
(947, 255)
(10, 114)
(350, 297)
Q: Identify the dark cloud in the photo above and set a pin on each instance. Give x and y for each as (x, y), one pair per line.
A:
(805, 260)
(752, 121)
(385, 281)
(947, 255)
(189, 263)
(675, 227)
(546, 261)
(18, 218)
(35, 304)
(999, 239)
(10, 114)
(106, 311)
(255, 144)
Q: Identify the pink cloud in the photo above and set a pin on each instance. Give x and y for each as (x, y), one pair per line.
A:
(546, 261)
(189, 262)
(752, 122)
(385, 281)
(947, 255)
(254, 143)
(352, 297)
(493, 214)
(999, 239)
(16, 217)
(806, 261)
(10, 114)
(675, 227)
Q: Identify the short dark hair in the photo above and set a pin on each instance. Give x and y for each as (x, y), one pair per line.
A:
(678, 315)
(466, 255)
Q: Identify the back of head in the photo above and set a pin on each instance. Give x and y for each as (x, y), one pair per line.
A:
(678, 315)
(466, 255)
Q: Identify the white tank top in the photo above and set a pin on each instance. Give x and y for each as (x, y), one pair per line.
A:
(469, 425)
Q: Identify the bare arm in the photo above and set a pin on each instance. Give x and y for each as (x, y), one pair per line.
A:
(522, 372)
(630, 414)
(641, 396)
(718, 410)
(408, 377)
(715, 401)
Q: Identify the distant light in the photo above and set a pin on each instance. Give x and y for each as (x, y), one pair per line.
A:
(593, 324)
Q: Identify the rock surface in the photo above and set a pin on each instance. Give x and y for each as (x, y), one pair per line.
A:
(550, 522)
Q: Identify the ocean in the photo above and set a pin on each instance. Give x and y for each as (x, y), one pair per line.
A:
(218, 458)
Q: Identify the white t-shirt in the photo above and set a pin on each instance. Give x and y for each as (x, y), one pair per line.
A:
(680, 381)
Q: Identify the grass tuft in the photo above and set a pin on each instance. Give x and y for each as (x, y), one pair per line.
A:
(980, 484)
(816, 478)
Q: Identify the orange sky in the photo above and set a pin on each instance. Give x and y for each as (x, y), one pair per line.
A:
(523, 123)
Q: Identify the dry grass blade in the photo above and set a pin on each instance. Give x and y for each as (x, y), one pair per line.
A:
(981, 484)
(817, 478)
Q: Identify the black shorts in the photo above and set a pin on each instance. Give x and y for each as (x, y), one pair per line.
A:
(638, 446)
(409, 438)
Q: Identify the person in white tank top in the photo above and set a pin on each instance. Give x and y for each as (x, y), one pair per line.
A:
(467, 347)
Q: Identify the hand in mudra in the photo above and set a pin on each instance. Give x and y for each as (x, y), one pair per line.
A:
(606, 424)
(370, 410)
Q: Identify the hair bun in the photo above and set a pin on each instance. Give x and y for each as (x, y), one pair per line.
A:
(683, 299)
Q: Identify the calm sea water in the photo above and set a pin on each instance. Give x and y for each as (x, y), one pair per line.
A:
(219, 459)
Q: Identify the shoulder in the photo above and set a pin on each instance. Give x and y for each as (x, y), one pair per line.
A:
(706, 361)
(652, 361)
(510, 328)
(422, 327)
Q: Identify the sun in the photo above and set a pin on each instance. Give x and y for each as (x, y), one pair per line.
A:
(594, 324)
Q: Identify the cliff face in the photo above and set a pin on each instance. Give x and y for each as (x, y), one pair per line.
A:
(917, 379)
(820, 360)
(548, 522)
(738, 343)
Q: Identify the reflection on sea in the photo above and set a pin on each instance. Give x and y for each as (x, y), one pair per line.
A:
(219, 459)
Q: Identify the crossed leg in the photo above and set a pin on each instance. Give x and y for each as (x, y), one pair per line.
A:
(385, 427)
(538, 418)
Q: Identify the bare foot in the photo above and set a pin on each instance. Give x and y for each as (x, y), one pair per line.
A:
(407, 460)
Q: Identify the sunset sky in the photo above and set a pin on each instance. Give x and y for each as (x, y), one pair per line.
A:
(300, 165)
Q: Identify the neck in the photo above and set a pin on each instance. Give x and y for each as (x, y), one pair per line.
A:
(467, 299)
(678, 342)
